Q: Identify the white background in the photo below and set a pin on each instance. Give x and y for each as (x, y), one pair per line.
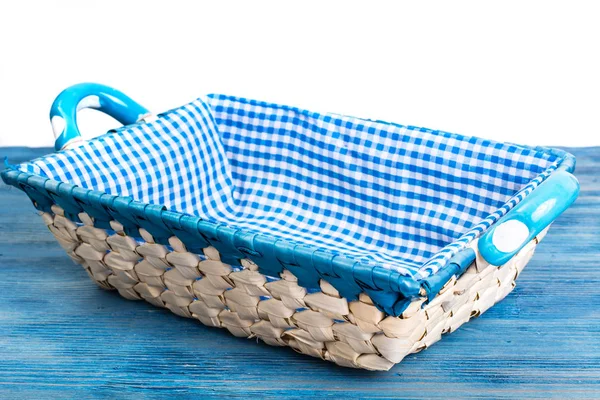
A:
(526, 72)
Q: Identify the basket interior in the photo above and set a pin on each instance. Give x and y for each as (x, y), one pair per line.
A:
(383, 193)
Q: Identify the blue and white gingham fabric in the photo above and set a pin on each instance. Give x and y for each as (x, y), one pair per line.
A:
(402, 197)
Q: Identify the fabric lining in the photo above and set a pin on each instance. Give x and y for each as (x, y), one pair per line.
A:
(403, 197)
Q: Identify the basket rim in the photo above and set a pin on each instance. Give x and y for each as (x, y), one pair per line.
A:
(390, 290)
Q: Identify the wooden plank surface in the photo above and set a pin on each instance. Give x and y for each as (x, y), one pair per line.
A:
(62, 337)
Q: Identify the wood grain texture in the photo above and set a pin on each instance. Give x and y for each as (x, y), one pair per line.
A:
(62, 337)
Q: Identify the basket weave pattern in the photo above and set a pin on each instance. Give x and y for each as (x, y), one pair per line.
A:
(278, 311)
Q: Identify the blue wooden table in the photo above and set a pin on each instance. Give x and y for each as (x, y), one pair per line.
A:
(62, 337)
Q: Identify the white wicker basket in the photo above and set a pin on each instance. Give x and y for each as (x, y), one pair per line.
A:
(127, 207)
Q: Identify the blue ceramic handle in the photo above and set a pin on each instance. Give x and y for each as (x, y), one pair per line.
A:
(63, 114)
(528, 218)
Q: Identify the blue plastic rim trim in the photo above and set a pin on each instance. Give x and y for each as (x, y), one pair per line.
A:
(528, 218)
(390, 291)
(63, 113)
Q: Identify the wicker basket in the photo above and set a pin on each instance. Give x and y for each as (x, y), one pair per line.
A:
(351, 240)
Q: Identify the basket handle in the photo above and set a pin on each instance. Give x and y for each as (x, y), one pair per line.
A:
(63, 114)
(528, 218)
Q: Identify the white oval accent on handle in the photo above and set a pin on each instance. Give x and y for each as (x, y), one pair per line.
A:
(510, 235)
(58, 125)
(91, 101)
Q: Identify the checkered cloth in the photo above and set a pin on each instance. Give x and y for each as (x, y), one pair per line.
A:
(402, 197)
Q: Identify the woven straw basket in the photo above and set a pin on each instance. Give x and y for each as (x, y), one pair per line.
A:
(351, 240)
